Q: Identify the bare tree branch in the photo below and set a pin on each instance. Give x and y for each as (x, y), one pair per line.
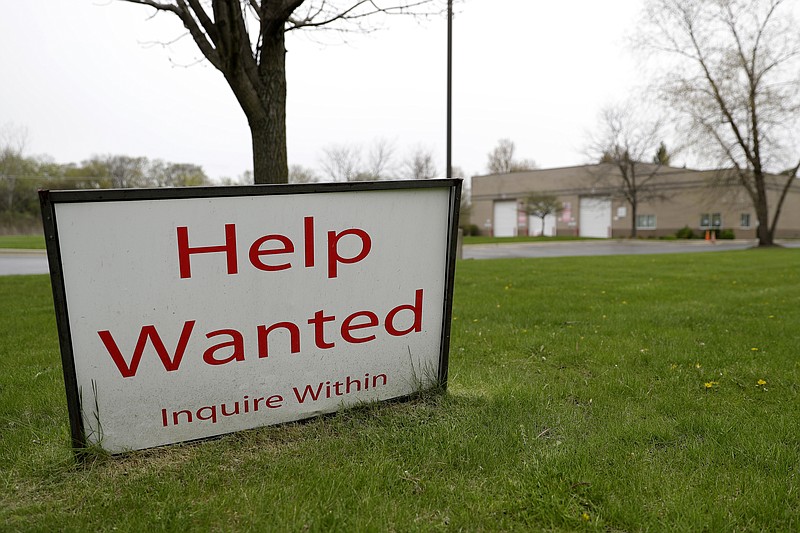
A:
(633, 152)
(245, 41)
(321, 17)
(733, 85)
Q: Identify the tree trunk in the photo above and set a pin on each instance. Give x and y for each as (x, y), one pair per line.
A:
(268, 130)
(764, 231)
(779, 205)
(633, 219)
(764, 234)
(270, 163)
(261, 91)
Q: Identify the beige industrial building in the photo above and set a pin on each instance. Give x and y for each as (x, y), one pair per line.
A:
(592, 203)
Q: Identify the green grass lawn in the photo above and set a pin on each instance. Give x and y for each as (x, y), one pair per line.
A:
(29, 242)
(638, 393)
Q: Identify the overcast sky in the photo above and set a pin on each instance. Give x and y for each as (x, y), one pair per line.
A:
(88, 77)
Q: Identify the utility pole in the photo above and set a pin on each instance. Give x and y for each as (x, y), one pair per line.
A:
(449, 170)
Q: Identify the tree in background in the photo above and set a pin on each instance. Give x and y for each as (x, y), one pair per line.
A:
(419, 164)
(501, 159)
(301, 174)
(90, 174)
(344, 162)
(465, 209)
(125, 171)
(341, 162)
(164, 174)
(245, 178)
(662, 156)
(733, 83)
(380, 160)
(13, 164)
(245, 41)
(542, 205)
(623, 143)
(22, 176)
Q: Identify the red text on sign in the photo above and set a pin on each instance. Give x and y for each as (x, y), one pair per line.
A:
(274, 252)
(229, 343)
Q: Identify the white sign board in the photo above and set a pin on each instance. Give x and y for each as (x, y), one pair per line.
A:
(189, 313)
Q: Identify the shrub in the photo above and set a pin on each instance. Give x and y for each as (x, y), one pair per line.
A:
(685, 233)
(470, 230)
(727, 234)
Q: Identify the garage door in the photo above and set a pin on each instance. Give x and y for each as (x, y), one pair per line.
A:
(505, 218)
(595, 217)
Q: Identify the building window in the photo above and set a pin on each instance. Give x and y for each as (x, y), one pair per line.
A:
(645, 222)
(711, 220)
(744, 221)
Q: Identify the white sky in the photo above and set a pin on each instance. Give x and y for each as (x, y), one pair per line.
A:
(79, 76)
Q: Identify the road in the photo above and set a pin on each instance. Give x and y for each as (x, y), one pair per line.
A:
(23, 262)
(35, 261)
(603, 247)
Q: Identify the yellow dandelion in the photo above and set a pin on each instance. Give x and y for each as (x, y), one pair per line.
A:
(586, 517)
(711, 384)
(761, 382)
(753, 349)
(698, 365)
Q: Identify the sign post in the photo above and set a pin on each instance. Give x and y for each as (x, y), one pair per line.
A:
(189, 313)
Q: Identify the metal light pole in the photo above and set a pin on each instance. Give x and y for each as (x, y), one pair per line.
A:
(449, 89)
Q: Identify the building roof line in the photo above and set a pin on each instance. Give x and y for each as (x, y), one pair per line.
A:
(666, 169)
(616, 191)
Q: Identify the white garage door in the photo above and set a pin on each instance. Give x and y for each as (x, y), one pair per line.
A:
(505, 218)
(535, 226)
(595, 217)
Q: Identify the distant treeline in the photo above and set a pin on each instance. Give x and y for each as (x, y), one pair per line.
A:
(21, 177)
